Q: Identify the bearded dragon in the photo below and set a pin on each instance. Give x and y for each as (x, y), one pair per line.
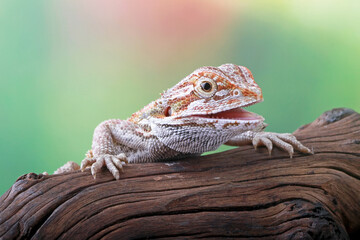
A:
(200, 113)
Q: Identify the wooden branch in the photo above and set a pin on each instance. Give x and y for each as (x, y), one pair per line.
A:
(241, 193)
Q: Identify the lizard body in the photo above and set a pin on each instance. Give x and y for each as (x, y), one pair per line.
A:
(200, 113)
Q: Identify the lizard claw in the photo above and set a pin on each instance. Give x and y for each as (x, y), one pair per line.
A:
(114, 163)
(284, 141)
(88, 160)
(259, 140)
(291, 139)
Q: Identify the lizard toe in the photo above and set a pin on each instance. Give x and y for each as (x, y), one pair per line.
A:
(255, 142)
(268, 144)
(262, 140)
(87, 162)
(96, 166)
(109, 161)
(291, 139)
(122, 157)
(282, 145)
(118, 164)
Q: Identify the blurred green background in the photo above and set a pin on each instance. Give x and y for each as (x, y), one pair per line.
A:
(67, 65)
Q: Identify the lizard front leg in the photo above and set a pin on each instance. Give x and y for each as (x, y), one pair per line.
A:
(113, 140)
(284, 141)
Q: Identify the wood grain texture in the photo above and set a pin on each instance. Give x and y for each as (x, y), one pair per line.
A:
(241, 193)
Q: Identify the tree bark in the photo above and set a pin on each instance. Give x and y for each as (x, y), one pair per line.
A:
(240, 193)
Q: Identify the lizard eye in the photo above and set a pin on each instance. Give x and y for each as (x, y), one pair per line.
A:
(206, 87)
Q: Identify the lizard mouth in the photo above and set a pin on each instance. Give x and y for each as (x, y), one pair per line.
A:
(233, 114)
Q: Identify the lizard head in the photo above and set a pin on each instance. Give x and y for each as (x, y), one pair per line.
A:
(213, 93)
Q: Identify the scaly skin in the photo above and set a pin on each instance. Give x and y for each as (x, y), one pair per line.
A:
(200, 113)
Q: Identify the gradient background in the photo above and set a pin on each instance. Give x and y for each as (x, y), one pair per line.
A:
(67, 65)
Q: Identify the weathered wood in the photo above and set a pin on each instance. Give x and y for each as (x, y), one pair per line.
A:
(239, 193)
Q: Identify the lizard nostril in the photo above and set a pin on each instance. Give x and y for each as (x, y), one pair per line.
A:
(168, 111)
